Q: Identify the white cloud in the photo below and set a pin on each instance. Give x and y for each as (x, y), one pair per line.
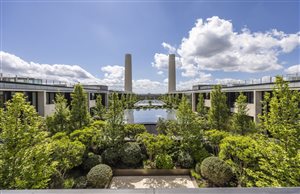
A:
(202, 79)
(293, 69)
(161, 61)
(160, 72)
(214, 45)
(148, 86)
(14, 65)
(169, 48)
(113, 75)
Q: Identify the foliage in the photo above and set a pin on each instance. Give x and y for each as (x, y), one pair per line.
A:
(115, 116)
(201, 109)
(81, 182)
(241, 153)
(155, 144)
(99, 110)
(282, 119)
(276, 167)
(164, 161)
(67, 154)
(111, 156)
(131, 154)
(218, 114)
(216, 171)
(214, 138)
(60, 120)
(241, 122)
(92, 136)
(189, 127)
(99, 176)
(69, 183)
(164, 126)
(131, 130)
(91, 161)
(201, 154)
(25, 154)
(80, 115)
(185, 160)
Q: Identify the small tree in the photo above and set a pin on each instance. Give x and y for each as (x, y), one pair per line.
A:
(100, 109)
(218, 114)
(241, 123)
(25, 156)
(281, 115)
(80, 115)
(60, 120)
(115, 120)
(201, 109)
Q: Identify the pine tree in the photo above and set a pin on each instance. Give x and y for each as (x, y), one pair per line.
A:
(60, 120)
(241, 122)
(100, 109)
(201, 109)
(115, 117)
(80, 115)
(218, 115)
(25, 154)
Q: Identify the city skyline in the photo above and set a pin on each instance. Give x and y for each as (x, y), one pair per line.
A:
(213, 42)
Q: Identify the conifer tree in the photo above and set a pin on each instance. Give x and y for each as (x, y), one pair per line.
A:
(241, 122)
(60, 120)
(80, 115)
(201, 109)
(218, 115)
(100, 109)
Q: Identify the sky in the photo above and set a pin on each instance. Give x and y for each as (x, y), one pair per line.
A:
(86, 41)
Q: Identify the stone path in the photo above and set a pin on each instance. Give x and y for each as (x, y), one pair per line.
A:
(141, 182)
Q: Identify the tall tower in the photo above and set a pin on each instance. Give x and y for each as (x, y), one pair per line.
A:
(172, 74)
(128, 74)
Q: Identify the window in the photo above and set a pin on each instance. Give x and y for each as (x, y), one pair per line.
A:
(50, 96)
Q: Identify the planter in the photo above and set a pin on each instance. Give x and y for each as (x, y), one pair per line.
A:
(150, 172)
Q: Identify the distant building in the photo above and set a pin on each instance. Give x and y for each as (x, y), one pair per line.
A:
(42, 95)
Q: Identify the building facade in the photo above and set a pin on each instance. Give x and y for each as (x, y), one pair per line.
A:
(42, 96)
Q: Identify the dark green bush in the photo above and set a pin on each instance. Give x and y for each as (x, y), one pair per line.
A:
(81, 182)
(216, 171)
(111, 156)
(200, 155)
(185, 160)
(99, 176)
(91, 161)
(131, 154)
(164, 161)
(198, 168)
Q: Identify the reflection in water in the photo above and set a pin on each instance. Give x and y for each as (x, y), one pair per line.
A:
(148, 115)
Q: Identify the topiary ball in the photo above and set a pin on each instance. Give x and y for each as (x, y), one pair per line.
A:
(111, 156)
(99, 176)
(185, 160)
(216, 171)
(91, 161)
(164, 161)
(131, 154)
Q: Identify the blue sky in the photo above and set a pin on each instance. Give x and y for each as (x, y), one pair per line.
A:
(96, 35)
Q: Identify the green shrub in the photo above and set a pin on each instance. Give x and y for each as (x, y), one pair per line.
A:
(69, 183)
(200, 155)
(131, 153)
(164, 161)
(99, 176)
(91, 161)
(111, 156)
(81, 182)
(185, 160)
(131, 130)
(216, 171)
(198, 168)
